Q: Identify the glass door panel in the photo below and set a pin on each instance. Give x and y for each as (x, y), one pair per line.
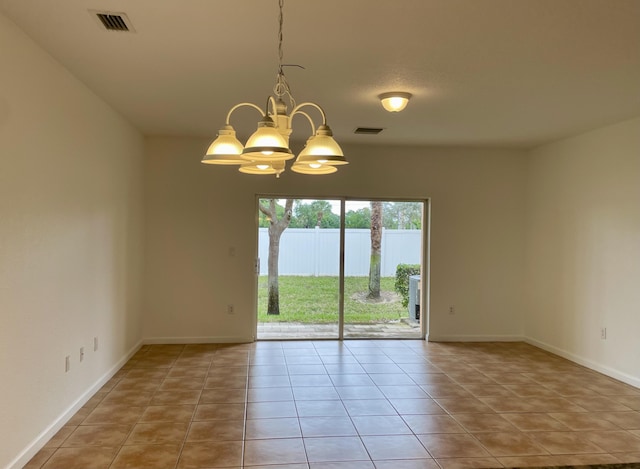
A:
(382, 266)
(299, 279)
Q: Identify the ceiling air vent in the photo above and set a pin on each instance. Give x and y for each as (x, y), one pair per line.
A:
(368, 130)
(113, 21)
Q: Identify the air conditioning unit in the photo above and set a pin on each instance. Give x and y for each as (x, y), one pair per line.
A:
(414, 297)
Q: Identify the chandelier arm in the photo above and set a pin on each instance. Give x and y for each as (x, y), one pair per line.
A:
(274, 107)
(242, 105)
(301, 105)
(313, 126)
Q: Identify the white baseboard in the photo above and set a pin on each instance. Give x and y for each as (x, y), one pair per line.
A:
(475, 338)
(197, 340)
(605, 370)
(41, 440)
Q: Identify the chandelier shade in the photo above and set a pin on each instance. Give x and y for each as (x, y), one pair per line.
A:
(267, 143)
(312, 168)
(322, 148)
(267, 149)
(226, 149)
(262, 168)
(332, 160)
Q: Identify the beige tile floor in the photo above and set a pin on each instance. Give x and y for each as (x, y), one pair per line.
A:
(354, 404)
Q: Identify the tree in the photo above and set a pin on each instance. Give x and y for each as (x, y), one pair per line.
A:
(317, 213)
(403, 215)
(376, 247)
(360, 218)
(264, 220)
(277, 225)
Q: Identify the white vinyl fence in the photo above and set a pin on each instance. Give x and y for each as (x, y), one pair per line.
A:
(315, 252)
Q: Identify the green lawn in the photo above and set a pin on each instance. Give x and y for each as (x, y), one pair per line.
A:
(314, 300)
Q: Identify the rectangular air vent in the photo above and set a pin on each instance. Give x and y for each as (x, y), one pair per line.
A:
(112, 21)
(368, 130)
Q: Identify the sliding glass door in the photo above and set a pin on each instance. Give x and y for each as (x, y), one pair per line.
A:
(307, 289)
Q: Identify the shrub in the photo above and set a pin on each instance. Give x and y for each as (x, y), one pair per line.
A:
(403, 272)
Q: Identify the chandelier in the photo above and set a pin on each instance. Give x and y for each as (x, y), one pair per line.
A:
(267, 150)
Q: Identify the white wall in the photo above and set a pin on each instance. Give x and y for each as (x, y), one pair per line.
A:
(583, 246)
(70, 242)
(195, 213)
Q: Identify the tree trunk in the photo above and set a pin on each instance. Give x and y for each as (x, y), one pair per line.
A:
(376, 247)
(273, 304)
(276, 228)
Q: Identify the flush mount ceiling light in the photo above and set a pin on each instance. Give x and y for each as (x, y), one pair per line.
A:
(268, 148)
(394, 101)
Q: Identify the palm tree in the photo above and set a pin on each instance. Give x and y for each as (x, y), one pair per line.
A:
(376, 247)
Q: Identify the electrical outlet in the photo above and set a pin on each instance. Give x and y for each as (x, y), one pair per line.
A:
(81, 353)
(603, 333)
(95, 344)
(230, 309)
(452, 309)
(67, 363)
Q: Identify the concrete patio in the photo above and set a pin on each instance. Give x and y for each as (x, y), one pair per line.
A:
(290, 330)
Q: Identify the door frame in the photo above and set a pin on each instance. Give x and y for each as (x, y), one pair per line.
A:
(425, 269)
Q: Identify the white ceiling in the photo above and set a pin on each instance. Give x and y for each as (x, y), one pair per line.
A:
(482, 72)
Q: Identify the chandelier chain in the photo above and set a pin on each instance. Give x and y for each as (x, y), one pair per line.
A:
(282, 87)
(280, 24)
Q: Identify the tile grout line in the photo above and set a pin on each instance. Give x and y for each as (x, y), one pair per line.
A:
(295, 404)
(195, 409)
(246, 405)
